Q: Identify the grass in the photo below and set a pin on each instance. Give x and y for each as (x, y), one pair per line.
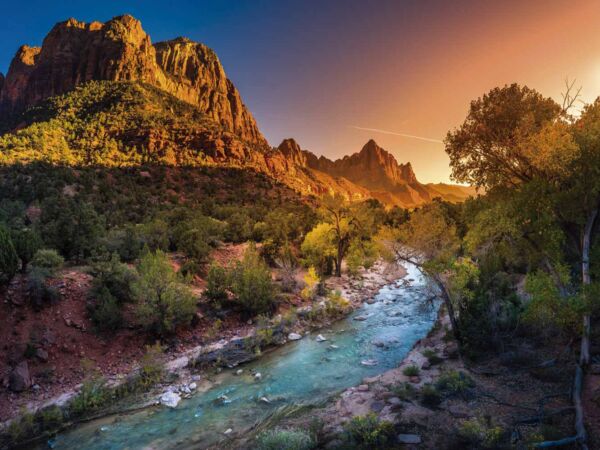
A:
(411, 371)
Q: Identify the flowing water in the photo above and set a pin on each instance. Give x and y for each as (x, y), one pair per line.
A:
(300, 373)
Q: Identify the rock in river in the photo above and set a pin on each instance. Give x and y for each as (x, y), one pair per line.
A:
(294, 336)
(321, 338)
(369, 362)
(170, 399)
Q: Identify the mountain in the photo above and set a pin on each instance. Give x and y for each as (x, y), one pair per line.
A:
(103, 94)
(120, 50)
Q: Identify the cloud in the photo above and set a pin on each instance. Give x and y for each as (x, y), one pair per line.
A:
(377, 130)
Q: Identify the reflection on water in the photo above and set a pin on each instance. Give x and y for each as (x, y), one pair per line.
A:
(301, 373)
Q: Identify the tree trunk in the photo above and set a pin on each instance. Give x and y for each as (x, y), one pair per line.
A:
(450, 308)
(340, 256)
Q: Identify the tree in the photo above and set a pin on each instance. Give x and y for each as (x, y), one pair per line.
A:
(9, 261)
(487, 149)
(429, 240)
(26, 241)
(318, 247)
(165, 301)
(251, 283)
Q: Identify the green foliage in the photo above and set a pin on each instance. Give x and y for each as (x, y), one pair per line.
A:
(251, 283)
(27, 242)
(22, 427)
(454, 382)
(50, 418)
(9, 262)
(217, 283)
(72, 227)
(411, 371)
(404, 391)
(285, 439)
(164, 300)
(47, 259)
(93, 393)
(480, 433)
(196, 234)
(151, 366)
(106, 311)
(369, 433)
(432, 356)
(115, 276)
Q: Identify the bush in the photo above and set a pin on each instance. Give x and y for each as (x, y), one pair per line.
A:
(430, 396)
(285, 440)
(151, 366)
(312, 280)
(105, 311)
(40, 293)
(26, 241)
(454, 382)
(93, 393)
(50, 418)
(252, 285)
(217, 283)
(405, 391)
(369, 433)
(114, 276)
(9, 261)
(411, 371)
(47, 259)
(480, 433)
(165, 300)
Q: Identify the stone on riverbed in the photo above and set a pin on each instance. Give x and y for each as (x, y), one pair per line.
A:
(170, 399)
(369, 362)
(294, 336)
(321, 338)
(360, 318)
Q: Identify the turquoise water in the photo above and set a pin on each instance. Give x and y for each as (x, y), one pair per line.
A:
(301, 373)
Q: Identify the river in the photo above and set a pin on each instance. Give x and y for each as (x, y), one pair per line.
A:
(298, 374)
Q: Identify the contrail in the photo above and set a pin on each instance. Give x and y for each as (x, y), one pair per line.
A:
(377, 130)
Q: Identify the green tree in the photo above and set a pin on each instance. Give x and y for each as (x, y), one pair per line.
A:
(251, 283)
(164, 299)
(27, 242)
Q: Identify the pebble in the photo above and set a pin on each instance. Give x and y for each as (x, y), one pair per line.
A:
(321, 338)
(363, 388)
(228, 431)
(257, 376)
(239, 371)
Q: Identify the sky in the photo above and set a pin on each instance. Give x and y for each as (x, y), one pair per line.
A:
(334, 73)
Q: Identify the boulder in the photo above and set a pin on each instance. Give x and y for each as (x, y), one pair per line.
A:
(19, 378)
(41, 354)
(294, 336)
(321, 338)
(170, 399)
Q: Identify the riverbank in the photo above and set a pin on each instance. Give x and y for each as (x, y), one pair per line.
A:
(193, 365)
(436, 400)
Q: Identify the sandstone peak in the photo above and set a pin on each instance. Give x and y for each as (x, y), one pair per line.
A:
(75, 52)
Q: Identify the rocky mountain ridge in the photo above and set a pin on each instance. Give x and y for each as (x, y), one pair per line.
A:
(210, 124)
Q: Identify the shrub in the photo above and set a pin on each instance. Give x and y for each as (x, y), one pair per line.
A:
(22, 427)
(115, 277)
(51, 417)
(165, 301)
(105, 311)
(404, 391)
(9, 261)
(430, 396)
(39, 292)
(26, 241)
(369, 433)
(93, 393)
(285, 440)
(217, 283)
(312, 280)
(432, 356)
(151, 366)
(336, 304)
(454, 382)
(48, 259)
(411, 371)
(251, 283)
(480, 433)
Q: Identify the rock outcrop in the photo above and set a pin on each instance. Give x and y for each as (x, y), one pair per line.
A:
(120, 50)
